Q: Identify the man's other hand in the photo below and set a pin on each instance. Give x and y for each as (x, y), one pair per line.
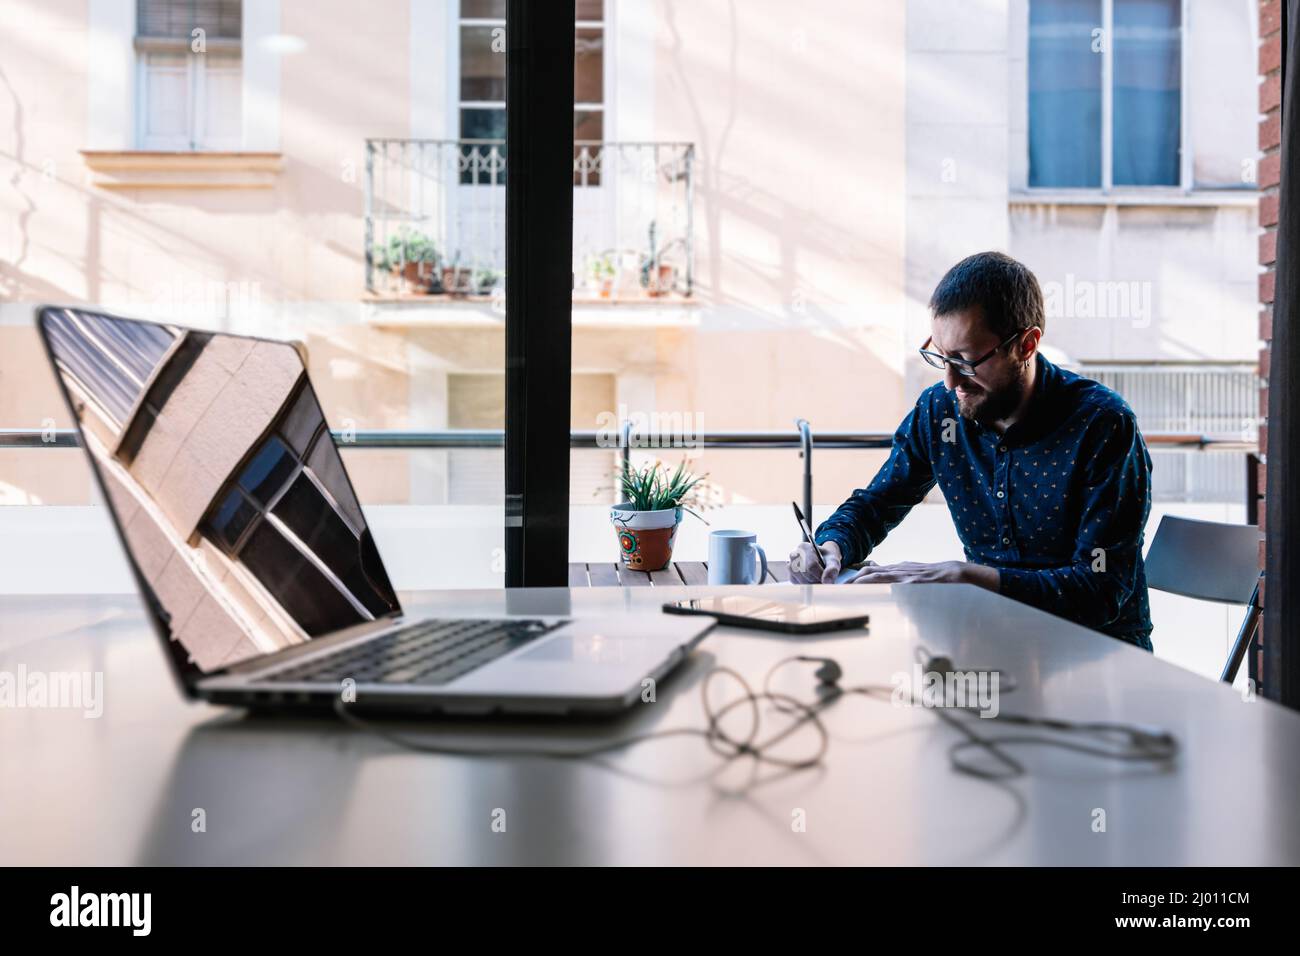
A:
(918, 572)
(804, 568)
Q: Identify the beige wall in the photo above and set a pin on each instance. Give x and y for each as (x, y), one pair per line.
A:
(797, 116)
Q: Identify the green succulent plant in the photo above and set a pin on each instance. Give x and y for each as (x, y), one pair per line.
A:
(485, 280)
(601, 266)
(652, 488)
(407, 245)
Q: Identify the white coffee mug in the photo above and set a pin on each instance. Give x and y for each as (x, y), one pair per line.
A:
(731, 558)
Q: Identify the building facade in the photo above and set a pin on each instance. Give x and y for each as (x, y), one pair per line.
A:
(765, 197)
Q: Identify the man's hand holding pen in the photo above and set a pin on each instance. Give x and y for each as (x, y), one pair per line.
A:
(804, 568)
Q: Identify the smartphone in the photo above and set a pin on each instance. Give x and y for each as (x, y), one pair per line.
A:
(766, 615)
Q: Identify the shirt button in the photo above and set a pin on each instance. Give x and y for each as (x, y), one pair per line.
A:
(1000, 495)
(1002, 447)
(1006, 540)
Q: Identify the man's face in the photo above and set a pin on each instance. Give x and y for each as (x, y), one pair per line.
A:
(996, 388)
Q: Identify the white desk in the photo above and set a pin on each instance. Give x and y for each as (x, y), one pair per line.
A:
(121, 789)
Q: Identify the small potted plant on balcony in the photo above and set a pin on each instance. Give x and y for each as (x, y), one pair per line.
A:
(457, 279)
(657, 276)
(602, 274)
(412, 258)
(486, 281)
(647, 520)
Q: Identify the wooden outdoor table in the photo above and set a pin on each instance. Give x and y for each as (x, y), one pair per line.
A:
(613, 574)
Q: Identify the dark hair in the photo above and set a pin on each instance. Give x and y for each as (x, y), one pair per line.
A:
(1006, 292)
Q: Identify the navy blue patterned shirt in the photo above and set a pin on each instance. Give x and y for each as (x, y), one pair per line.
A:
(1057, 504)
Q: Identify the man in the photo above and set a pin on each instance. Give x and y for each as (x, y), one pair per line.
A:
(1044, 472)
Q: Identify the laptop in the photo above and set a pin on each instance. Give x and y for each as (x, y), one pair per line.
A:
(254, 558)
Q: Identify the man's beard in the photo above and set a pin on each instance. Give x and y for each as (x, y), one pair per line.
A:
(993, 406)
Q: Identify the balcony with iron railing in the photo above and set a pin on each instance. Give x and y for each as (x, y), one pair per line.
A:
(435, 222)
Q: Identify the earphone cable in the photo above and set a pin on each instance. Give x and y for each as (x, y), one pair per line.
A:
(1136, 745)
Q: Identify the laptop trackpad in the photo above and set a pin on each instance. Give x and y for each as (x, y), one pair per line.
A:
(592, 648)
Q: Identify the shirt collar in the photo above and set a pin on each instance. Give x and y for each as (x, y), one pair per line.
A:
(1040, 414)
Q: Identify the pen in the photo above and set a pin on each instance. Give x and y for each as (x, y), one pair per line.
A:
(807, 533)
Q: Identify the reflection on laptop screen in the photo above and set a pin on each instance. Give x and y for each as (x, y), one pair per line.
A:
(225, 482)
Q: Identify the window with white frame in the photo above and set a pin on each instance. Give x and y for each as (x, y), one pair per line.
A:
(589, 72)
(190, 93)
(482, 98)
(1105, 93)
(290, 516)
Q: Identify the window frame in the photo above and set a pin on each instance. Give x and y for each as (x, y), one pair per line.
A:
(456, 104)
(606, 59)
(1185, 184)
(265, 513)
(196, 81)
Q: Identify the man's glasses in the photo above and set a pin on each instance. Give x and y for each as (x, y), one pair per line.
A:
(961, 366)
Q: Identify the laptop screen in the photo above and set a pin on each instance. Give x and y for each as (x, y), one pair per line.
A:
(225, 483)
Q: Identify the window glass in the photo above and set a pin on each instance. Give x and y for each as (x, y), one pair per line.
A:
(482, 69)
(268, 470)
(308, 515)
(1148, 90)
(483, 9)
(177, 18)
(231, 519)
(166, 98)
(476, 123)
(320, 528)
(589, 65)
(301, 422)
(222, 102)
(296, 584)
(327, 467)
(315, 525)
(589, 125)
(1065, 76)
(483, 82)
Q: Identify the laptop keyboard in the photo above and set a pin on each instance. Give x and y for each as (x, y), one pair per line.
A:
(427, 653)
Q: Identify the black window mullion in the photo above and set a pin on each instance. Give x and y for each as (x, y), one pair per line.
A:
(539, 290)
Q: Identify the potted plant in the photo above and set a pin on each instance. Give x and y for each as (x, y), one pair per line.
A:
(601, 274)
(658, 274)
(657, 278)
(456, 279)
(647, 520)
(412, 258)
(486, 281)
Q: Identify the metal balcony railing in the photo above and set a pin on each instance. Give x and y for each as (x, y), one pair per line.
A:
(1219, 398)
(435, 218)
(1198, 397)
(628, 440)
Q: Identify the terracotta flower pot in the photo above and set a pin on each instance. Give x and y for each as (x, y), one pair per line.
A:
(661, 280)
(645, 538)
(455, 280)
(416, 276)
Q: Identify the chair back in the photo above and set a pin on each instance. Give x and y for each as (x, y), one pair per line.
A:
(1209, 560)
